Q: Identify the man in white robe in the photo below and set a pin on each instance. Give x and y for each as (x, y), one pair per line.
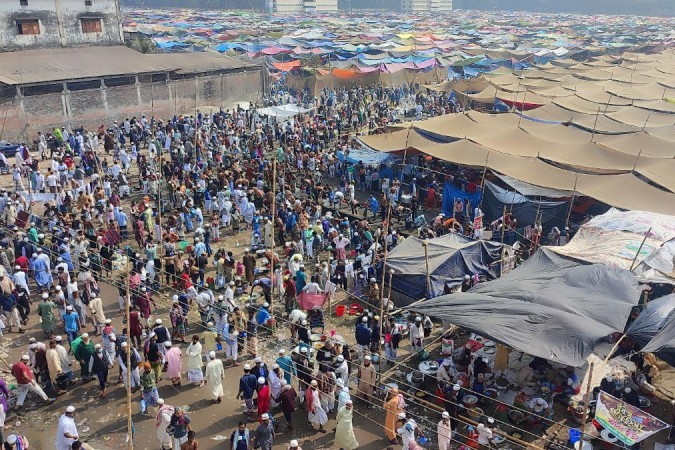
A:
(214, 377)
(315, 414)
(162, 421)
(195, 364)
(344, 433)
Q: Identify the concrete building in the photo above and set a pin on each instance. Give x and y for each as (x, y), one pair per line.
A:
(74, 87)
(426, 6)
(26, 24)
(56, 75)
(305, 6)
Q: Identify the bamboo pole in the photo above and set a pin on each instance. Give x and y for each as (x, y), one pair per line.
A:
(632, 266)
(273, 211)
(482, 181)
(389, 301)
(503, 224)
(384, 263)
(585, 401)
(425, 244)
(129, 349)
(569, 211)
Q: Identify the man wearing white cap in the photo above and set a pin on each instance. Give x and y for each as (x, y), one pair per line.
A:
(367, 375)
(294, 445)
(214, 377)
(344, 432)
(15, 441)
(135, 360)
(264, 435)
(315, 414)
(97, 314)
(444, 432)
(162, 421)
(485, 435)
(66, 362)
(66, 433)
(25, 381)
(407, 433)
(46, 313)
(99, 363)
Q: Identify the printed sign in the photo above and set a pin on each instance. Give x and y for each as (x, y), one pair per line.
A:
(626, 422)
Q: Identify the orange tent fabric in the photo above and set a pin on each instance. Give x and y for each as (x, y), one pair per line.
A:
(287, 66)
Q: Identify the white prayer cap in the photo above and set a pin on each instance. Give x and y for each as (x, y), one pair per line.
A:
(45, 295)
(160, 401)
(212, 354)
(167, 344)
(261, 380)
(445, 415)
(70, 409)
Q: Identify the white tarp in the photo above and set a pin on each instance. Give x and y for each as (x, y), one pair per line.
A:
(288, 110)
(614, 239)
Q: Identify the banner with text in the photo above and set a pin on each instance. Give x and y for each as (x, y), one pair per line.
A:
(626, 422)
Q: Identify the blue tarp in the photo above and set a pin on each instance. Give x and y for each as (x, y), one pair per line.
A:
(368, 156)
(452, 193)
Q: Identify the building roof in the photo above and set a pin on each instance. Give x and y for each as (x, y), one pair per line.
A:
(64, 64)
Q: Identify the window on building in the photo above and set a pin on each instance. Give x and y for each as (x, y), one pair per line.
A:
(91, 25)
(28, 26)
(87, 2)
(23, 2)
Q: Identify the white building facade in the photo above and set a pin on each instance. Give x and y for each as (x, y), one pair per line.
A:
(27, 24)
(426, 6)
(305, 6)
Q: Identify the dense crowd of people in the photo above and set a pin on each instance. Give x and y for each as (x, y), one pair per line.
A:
(157, 208)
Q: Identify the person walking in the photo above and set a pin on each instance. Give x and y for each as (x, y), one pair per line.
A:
(174, 365)
(240, 439)
(344, 433)
(180, 426)
(264, 435)
(195, 363)
(25, 381)
(444, 432)
(99, 363)
(315, 414)
(46, 313)
(191, 443)
(247, 387)
(264, 398)
(162, 422)
(214, 377)
(135, 361)
(66, 432)
(149, 387)
(286, 401)
(367, 375)
(393, 406)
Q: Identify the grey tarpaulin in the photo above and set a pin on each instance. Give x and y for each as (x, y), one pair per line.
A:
(550, 307)
(553, 214)
(651, 320)
(450, 258)
(663, 344)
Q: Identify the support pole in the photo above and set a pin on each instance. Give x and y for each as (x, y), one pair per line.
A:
(273, 211)
(569, 211)
(585, 405)
(382, 316)
(425, 244)
(637, 254)
(503, 224)
(130, 426)
(384, 263)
